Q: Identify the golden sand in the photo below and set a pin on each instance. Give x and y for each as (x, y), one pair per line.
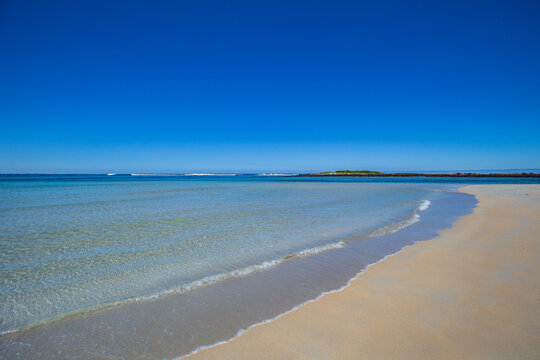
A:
(471, 293)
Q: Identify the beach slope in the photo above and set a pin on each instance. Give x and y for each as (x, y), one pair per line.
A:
(471, 293)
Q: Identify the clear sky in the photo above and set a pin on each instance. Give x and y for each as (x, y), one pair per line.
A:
(174, 86)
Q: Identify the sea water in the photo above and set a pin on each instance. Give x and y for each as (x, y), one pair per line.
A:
(148, 266)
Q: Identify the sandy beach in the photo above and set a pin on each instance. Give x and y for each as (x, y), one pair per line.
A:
(471, 293)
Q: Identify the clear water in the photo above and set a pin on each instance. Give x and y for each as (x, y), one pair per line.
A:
(70, 244)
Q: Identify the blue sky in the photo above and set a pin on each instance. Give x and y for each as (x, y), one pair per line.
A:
(174, 86)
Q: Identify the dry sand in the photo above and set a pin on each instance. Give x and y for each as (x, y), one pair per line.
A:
(471, 293)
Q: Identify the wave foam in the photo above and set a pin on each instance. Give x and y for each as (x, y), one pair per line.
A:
(275, 174)
(155, 175)
(320, 249)
(394, 227)
(424, 205)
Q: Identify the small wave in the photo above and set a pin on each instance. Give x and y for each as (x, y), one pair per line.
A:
(9, 331)
(320, 249)
(394, 227)
(111, 174)
(424, 205)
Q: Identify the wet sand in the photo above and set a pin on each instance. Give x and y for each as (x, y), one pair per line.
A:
(473, 292)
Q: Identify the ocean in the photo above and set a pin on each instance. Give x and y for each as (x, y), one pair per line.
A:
(159, 266)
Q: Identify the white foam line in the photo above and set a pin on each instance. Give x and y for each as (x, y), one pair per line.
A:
(319, 249)
(275, 174)
(3, 332)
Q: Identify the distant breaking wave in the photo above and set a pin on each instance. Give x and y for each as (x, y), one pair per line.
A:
(194, 174)
(203, 174)
(155, 175)
(275, 174)
(209, 174)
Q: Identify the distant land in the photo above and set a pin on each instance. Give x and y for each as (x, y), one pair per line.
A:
(378, 173)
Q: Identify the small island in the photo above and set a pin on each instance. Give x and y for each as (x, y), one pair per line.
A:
(405, 174)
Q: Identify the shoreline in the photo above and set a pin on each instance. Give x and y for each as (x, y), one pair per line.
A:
(324, 327)
(428, 232)
(267, 321)
(239, 296)
(321, 295)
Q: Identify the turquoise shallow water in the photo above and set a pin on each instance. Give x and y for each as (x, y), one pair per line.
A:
(70, 244)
